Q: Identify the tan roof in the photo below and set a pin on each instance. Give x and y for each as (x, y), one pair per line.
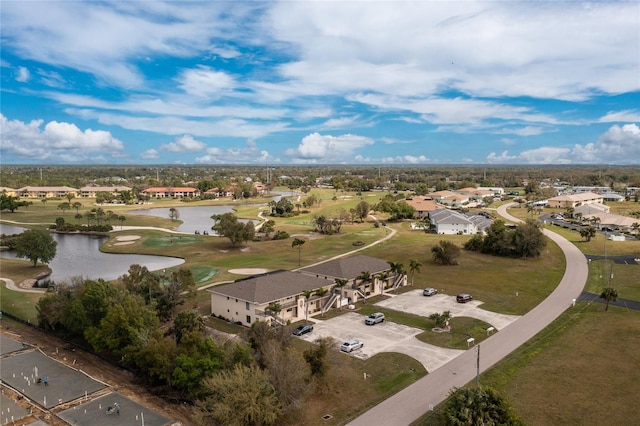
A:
(584, 196)
(270, 287)
(47, 189)
(171, 189)
(104, 188)
(422, 204)
(348, 267)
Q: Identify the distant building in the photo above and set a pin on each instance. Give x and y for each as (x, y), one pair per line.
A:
(171, 192)
(92, 191)
(574, 200)
(46, 191)
(422, 206)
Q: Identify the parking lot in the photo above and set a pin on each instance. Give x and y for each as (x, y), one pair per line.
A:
(383, 337)
(391, 337)
(415, 303)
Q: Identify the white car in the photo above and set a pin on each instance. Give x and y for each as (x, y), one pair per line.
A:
(429, 291)
(351, 345)
(374, 318)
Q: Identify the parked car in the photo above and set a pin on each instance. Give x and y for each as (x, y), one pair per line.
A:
(303, 329)
(429, 291)
(351, 345)
(374, 318)
(463, 298)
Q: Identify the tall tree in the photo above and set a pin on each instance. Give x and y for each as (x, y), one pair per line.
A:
(307, 295)
(362, 210)
(588, 232)
(36, 245)
(340, 283)
(609, 294)
(414, 266)
(298, 243)
(230, 227)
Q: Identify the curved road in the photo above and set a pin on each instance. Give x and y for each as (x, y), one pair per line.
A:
(412, 402)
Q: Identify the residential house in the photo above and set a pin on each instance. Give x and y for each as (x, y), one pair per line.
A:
(451, 222)
(171, 192)
(574, 200)
(352, 269)
(422, 206)
(46, 191)
(92, 191)
(252, 299)
(9, 191)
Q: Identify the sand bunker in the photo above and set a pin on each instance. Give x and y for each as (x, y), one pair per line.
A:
(249, 271)
(124, 243)
(126, 238)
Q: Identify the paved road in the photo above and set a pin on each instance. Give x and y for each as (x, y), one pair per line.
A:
(412, 402)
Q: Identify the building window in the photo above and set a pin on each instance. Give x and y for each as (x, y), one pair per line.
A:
(248, 319)
(246, 304)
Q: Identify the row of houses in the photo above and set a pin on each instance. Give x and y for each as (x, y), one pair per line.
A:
(282, 295)
(45, 192)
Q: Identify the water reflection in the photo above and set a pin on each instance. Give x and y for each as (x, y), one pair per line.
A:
(80, 255)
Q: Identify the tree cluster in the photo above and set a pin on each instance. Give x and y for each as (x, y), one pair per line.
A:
(524, 240)
(478, 406)
(230, 227)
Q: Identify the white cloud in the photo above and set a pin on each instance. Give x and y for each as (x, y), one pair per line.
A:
(484, 49)
(250, 154)
(205, 82)
(327, 149)
(626, 116)
(618, 145)
(55, 142)
(184, 143)
(150, 154)
(23, 75)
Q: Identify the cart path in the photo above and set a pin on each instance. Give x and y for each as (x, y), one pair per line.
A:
(412, 402)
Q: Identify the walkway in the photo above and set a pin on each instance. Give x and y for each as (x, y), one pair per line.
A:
(412, 402)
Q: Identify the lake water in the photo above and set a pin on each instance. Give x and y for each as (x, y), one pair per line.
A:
(80, 255)
(196, 218)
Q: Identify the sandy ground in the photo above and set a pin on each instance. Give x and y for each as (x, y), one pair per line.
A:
(249, 271)
(127, 238)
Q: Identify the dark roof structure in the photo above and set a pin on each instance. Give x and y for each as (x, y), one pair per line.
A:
(270, 287)
(348, 267)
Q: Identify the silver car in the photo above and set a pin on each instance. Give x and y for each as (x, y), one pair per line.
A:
(351, 345)
(429, 291)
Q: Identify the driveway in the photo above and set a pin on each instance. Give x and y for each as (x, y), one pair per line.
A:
(384, 337)
(414, 302)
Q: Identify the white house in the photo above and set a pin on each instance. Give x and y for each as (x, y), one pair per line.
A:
(452, 222)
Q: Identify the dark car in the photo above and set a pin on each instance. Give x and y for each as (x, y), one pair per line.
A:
(463, 298)
(303, 329)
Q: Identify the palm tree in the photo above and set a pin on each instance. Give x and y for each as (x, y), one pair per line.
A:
(396, 268)
(414, 266)
(365, 277)
(321, 292)
(77, 206)
(297, 242)
(635, 226)
(307, 295)
(384, 278)
(122, 218)
(340, 283)
(609, 294)
(275, 307)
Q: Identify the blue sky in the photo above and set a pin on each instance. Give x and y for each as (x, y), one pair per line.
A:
(320, 82)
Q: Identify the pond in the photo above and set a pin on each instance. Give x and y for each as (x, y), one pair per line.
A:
(80, 255)
(194, 218)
